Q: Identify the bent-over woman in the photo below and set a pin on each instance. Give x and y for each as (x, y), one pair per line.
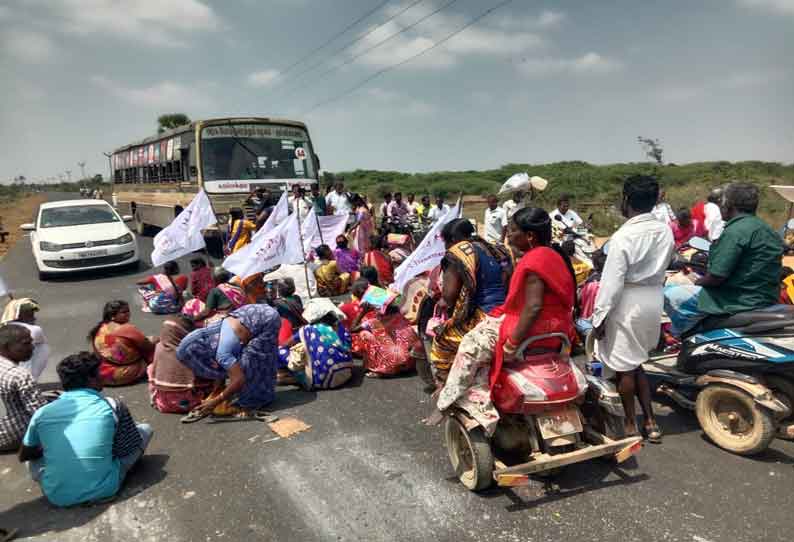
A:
(123, 349)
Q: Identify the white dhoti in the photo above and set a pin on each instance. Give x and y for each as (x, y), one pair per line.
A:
(632, 328)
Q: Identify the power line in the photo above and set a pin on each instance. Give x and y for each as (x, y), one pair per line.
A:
(389, 38)
(350, 43)
(332, 38)
(409, 59)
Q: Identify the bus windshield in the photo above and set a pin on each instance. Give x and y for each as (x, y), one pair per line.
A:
(231, 153)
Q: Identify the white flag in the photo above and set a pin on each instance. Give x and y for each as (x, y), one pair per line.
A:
(320, 230)
(279, 213)
(429, 252)
(184, 235)
(264, 252)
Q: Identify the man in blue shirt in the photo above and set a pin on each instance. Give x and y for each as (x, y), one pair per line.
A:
(82, 445)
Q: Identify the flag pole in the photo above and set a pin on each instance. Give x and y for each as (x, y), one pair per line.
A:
(303, 253)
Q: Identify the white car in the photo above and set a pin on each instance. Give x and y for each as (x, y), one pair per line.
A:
(78, 235)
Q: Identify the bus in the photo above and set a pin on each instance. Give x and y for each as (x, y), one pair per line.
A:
(155, 178)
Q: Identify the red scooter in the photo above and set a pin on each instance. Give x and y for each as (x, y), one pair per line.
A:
(551, 415)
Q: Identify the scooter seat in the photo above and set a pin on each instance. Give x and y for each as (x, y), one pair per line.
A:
(760, 320)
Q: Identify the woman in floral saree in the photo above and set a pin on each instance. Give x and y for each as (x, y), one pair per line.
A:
(318, 356)
(124, 350)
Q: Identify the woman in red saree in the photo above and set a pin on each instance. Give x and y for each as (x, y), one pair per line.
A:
(385, 339)
(377, 258)
(124, 350)
(540, 300)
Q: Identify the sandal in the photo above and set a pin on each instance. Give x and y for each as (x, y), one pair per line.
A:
(254, 415)
(653, 433)
(193, 416)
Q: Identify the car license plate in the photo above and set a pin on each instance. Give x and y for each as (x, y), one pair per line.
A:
(93, 253)
(560, 423)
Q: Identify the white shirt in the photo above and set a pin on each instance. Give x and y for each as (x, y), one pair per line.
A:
(662, 211)
(569, 218)
(41, 351)
(303, 206)
(511, 207)
(435, 213)
(713, 221)
(495, 222)
(639, 253)
(412, 207)
(339, 202)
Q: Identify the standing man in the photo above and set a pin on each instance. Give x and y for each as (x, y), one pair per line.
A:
(712, 215)
(495, 221)
(339, 200)
(628, 307)
(298, 202)
(318, 201)
(438, 210)
(18, 390)
(383, 210)
(412, 206)
(398, 209)
(423, 208)
(564, 214)
(514, 204)
(82, 445)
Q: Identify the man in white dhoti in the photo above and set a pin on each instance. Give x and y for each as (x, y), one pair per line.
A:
(628, 308)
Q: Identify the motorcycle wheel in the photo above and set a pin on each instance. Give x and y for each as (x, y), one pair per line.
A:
(470, 455)
(783, 389)
(732, 420)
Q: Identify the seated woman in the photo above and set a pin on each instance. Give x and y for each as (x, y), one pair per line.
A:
(376, 257)
(475, 278)
(330, 280)
(685, 228)
(352, 308)
(385, 339)
(172, 386)
(347, 259)
(123, 349)
(221, 299)
(162, 293)
(318, 357)
(540, 300)
(201, 279)
(289, 305)
(371, 274)
(243, 349)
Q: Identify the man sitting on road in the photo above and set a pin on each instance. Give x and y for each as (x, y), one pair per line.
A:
(18, 390)
(564, 214)
(743, 270)
(82, 445)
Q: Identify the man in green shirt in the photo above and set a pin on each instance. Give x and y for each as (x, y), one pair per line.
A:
(745, 262)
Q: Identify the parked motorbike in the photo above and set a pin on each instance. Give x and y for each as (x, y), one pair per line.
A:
(551, 415)
(581, 236)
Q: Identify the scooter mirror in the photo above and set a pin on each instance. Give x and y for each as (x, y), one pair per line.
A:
(698, 243)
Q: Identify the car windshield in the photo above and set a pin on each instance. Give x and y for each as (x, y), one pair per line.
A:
(248, 152)
(57, 217)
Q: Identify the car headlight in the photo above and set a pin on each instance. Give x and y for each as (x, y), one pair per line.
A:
(49, 247)
(124, 239)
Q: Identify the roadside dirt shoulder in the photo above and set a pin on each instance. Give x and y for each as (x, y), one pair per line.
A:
(14, 213)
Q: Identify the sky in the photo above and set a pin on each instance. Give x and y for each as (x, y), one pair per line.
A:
(531, 82)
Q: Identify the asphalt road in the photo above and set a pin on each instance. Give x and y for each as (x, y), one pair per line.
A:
(367, 470)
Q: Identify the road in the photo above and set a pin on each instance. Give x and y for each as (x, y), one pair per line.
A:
(367, 470)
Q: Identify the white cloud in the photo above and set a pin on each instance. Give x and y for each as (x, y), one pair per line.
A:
(546, 20)
(153, 22)
(27, 46)
(749, 79)
(264, 79)
(165, 94)
(735, 82)
(400, 104)
(588, 64)
(785, 7)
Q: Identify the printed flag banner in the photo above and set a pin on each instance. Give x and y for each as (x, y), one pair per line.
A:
(279, 213)
(429, 252)
(265, 251)
(184, 235)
